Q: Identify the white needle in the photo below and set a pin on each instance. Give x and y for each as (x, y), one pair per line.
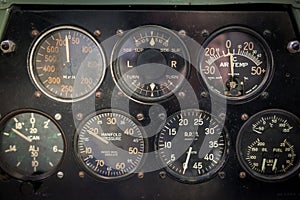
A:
(67, 49)
(263, 167)
(97, 137)
(21, 135)
(231, 65)
(185, 164)
(274, 164)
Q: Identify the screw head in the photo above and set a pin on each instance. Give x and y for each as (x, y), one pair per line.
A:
(79, 116)
(57, 116)
(140, 116)
(162, 174)
(97, 33)
(140, 175)
(243, 175)
(245, 117)
(205, 33)
(37, 94)
(34, 33)
(81, 174)
(60, 175)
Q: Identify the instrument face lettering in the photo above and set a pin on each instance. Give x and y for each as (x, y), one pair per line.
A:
(192, 145)
(268, 145)
(236, 63)
(150, 63)
(110, 145)
(32, 145)
(67, 64)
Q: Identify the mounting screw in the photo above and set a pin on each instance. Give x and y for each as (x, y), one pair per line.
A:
(120, 32)
(81, 174)
(140, 116)
(182, 33)
(37, 94)
(181, 94)
(60, 175)
(98, 94)
(97, 33)
(140, 175)
(205, 33)
(293, 46)
(7, 46)
(204, 94)
(245, 117)
(57, 116)
(265, 95)
(267, 33)
(222, 175)
(79, 116)
(34, 33)
(243, 175)
(162, 174)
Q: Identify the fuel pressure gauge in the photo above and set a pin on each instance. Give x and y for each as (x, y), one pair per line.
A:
(268, 145)
(236, 64)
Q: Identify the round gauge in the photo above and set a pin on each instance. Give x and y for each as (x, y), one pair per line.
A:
(31, 145)
(236, 63)
(150, 63)
(110, 144)
(67, 64)
(192, 145)
(268, 145)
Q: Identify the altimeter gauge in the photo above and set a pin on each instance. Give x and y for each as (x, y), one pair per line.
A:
(32, 145)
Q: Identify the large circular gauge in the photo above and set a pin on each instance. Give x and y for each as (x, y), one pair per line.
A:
(192, 145)
(150, 63)
(110, 144)
(236, 63)
(268, 145)
(66, 63)
(31, 145)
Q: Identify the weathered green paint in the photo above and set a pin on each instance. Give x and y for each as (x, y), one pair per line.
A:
(5, 5)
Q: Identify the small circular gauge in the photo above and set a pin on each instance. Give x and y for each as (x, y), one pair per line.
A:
(110, 144)
(236, 63)
(150, 63)
(192, 145)
(67, 64)
(31, 145)
(268, 145)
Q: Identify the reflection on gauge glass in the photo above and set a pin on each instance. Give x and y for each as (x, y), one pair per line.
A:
(268, 145)
(236, 63)
(110, 144)
(31, 145)
(67, 64)
(192, 145)
(150, 63)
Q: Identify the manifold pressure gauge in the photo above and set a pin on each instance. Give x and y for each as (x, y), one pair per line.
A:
(236, 64)
(192, 145)
(150, 63)
(32, 145)
(268, 145)
(110, 144)
(66, 63)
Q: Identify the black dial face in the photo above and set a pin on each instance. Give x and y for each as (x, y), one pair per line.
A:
(268, 145)
(192, 145)
(110, 145)
(31, 145)
(236, 63)
(150, 63)
(67, 64)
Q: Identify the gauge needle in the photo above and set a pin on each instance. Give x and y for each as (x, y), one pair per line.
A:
(97, 137)
(263, 167)
(185, 164)
(231, 65)
(67, 49)
(274, 164)
(21, 135)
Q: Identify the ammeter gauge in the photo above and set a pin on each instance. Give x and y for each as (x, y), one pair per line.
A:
(268, 145)
(110, 145)
(66, 63)
(236, 64)
(150, 63)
